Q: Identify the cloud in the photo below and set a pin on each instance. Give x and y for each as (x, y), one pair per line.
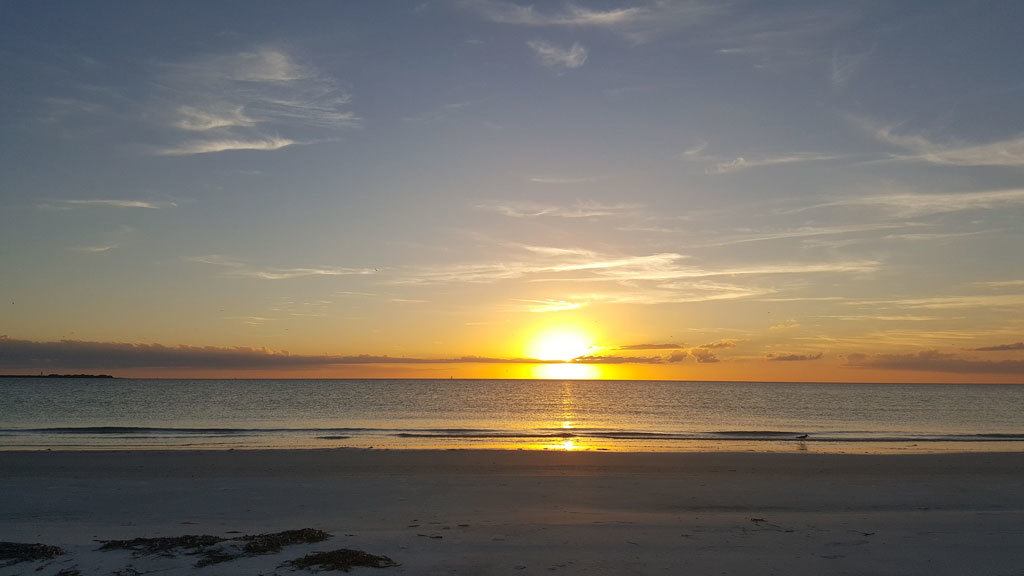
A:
(670, 293)
(1009, 152)
(578, 210)
(666, 346)
(738, 164)
(195, 119)
(543, 306)
(555, 251)
(1001, 347)
(845, 66)
(950, 302)
(1002, 284)
(238, 268)
(794, 357)
(74, 354)
(635, 23)
(935, 361)
(105, 203)
(260, 99)
(554, 56)
(807, 232)
(668, 279)
(94, 249)
(211, 146)
(695, 151)
(571, 15)
(618, 360)
(703, 356)
(907, 205)
(883, 318)
(724, 343)
(785, 325)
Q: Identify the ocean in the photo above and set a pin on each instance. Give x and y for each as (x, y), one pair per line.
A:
(44, 413)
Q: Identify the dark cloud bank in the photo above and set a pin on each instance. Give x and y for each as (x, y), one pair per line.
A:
(1001, 347)
(79, 355)
(794, 357)
(935, 361)
(28, 354)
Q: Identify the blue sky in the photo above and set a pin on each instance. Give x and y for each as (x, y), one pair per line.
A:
(837, 183)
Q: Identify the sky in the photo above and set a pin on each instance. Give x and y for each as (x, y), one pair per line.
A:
(783, 191)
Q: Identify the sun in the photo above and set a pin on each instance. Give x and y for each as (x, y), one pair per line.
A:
(560, 344)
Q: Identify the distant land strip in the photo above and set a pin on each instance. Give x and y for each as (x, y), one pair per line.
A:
(58, 376)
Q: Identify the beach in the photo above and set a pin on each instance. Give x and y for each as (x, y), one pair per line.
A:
(526, 512)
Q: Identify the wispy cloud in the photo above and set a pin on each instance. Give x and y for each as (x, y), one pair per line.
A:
(936, 361)
(740, 163)
(695, 151)
(572, 15)
(105, 203)
(94, 249)
(636, 23)
(195, 119)
(915, 204)
(212, 146)
(808, 232)
(554, 56)
(259, 99)
(950, 302)
(578, 210)
(1009, 152)
(651, 278)
(844, 66)
(1002, 284)
(663, 346)
(243, 269)
(543, 306)
(882, 317)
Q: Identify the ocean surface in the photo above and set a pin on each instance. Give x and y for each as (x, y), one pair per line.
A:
(528, 414)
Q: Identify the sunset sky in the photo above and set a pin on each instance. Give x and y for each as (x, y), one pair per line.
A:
(777, 191)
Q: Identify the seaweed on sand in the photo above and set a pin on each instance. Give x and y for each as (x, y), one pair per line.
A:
(12, 553)
(342, 559)
(259, 544)
(166, 546)
(273, 542)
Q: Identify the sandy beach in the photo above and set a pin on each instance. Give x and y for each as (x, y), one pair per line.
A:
(507, 512)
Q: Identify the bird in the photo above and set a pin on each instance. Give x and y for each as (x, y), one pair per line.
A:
(802, 437)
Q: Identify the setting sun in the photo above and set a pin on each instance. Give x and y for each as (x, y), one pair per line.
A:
(560, 344)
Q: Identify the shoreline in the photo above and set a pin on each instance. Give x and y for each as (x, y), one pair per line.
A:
(557, 444)
(530, 512)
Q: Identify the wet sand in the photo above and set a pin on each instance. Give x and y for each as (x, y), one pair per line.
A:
(521, 512)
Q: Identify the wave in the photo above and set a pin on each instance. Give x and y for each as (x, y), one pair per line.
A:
(341, 433)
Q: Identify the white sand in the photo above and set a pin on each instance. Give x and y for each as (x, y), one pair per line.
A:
(532, 512)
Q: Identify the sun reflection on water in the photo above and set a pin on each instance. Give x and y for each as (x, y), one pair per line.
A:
(566, 371)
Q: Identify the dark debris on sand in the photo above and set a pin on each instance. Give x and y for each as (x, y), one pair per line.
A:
(342, 559)
(259, 544)
(273, 542)
(162, 546)
(12, 553)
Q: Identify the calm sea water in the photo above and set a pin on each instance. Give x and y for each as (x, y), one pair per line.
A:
(580, 415)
